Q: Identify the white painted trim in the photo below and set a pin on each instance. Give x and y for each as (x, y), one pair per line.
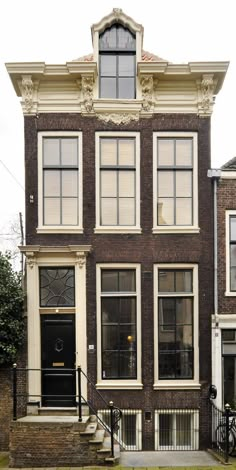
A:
(181, 383)
(118, 228)
(228, 214)
(61, 228)
(194, 428)
(225, 175)
(174, 228)
(34, 261)
(184, 385)
(119, 383)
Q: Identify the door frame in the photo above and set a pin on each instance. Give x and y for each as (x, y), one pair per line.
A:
(48, 257)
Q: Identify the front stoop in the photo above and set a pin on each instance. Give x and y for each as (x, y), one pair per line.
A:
(59, 441)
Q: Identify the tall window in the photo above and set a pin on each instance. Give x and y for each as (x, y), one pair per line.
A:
(229, 366)
(117, 182)
(232, 242)
(118, 323)
(117, 51)
(60, 181)
(175, 181)
(175, 324)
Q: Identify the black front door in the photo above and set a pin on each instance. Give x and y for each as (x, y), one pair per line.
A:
(58, 357)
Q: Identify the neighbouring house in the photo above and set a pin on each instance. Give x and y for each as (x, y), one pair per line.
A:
(119, 240)
(224, 320)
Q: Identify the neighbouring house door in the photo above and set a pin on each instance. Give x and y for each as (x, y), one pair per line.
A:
(58, 357)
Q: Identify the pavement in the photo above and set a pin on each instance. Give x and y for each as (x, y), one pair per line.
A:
(144, 460)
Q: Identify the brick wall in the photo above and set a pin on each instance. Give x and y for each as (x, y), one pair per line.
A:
(145, 249)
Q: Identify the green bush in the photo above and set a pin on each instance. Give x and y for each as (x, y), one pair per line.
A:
(11, 309)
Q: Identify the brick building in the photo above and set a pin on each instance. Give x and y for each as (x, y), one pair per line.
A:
(119, 233)
(223, 320)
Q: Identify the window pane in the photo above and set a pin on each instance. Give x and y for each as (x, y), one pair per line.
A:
(126, 88)
(183, 184)
(69, 211)
(126, 152)
(51, 151)
(126, 40)
(109, 280)
(110, 337)
(183, 281)
(108, 88)
(184, 339)
(128, 310)
(184, 365)
(108, 151)
(232, 228)
(166, 281)
(166, 316)
(126, 65)
(165, 152)
(107, 40)
(167, 365)
(108, 65)
(126, 211)
(127, 280)
(52, 211)
(183, 211)
(183, 429)
(128, 434)
(109, 211)
(165, 183)
(108, 183)
(166, 429)
(230, 380)
(110, 306)
(165, 211)
(184, 152)
(128, 368)
(57, 287)
(233, 279)
(51, 183)
(126, 184)
(69, 183)
(110, 367)
(69, 152)
(128, 337)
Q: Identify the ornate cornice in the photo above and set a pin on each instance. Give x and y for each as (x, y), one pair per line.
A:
(206, 88)
(30, 259)
(81, 259)
(118, 118)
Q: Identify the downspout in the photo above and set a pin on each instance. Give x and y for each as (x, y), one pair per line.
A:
(215, 175)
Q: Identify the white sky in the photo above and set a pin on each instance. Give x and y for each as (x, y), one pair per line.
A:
(57, 31)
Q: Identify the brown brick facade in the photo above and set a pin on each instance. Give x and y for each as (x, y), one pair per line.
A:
(146, 249)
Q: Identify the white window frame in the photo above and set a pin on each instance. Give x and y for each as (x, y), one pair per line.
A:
(228, 214)
(194, 428)
(177, 383)
(118, 228)
(138, 428)
(119, 383)
(194, 228)
(59, 228)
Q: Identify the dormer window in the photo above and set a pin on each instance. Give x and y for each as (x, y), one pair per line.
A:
(117, 52)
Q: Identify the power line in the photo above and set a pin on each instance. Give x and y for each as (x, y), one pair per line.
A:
(12, 175)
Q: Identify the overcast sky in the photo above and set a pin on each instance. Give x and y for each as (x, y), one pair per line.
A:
(57, 31)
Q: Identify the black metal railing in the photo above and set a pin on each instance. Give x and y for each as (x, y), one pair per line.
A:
(18, 394)
(223, 431)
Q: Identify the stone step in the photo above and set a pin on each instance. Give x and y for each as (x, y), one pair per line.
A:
(98, 437)
(90, 429)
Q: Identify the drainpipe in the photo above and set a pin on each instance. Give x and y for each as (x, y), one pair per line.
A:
(216, 348)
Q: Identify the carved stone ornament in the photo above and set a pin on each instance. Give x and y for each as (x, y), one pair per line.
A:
(118, 118)
(205, 94)
(30, 259)
(117, 12)
(87, 91)
(27, 92)
(81, 259)
(146, 82)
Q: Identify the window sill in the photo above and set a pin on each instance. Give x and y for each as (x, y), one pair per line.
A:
(59, 229)
(230, 294)
(119, 385)
(177, 386)
(117, 230)
(159, 230)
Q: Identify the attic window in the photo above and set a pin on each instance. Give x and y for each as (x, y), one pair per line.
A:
(117, 52)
